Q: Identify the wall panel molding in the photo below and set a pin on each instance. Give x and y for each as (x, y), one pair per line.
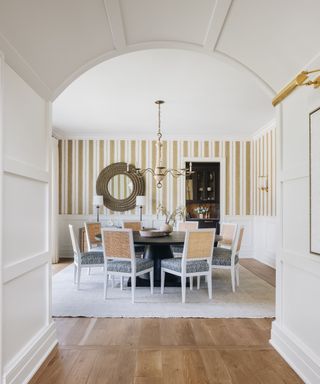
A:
(15, 270)
(18, 168)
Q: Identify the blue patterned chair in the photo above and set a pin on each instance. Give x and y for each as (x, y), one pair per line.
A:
(224, 258)
(195, 261)
(120, 259)
(83, 259)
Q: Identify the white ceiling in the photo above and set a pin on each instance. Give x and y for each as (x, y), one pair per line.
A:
(204, 96)
(50, 43)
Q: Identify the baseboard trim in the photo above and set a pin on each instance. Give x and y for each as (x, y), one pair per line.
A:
(264, 258)
(296, 354)
(26, 364)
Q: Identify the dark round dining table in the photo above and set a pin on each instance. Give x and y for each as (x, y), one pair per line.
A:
(156, 249)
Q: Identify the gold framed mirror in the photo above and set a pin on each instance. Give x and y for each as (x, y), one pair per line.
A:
(119, 188)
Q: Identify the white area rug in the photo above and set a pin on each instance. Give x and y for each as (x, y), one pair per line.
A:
(254, 298)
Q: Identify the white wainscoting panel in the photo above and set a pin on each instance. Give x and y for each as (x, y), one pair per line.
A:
(31, 198)
(26, 310)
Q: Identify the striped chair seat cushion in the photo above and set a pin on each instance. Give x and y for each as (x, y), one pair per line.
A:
(222, 256)
(92, 257)
(177, 248)
(192, 266)
(125, 266)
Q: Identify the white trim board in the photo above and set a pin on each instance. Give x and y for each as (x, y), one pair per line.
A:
(29, 360)
(296, 354)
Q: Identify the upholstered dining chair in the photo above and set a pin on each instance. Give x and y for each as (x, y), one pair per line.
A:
(92, 230)
(120, 260)
(225, 258)
(136, 226)
(83, 259)
(182, 227)
(196, 259)
(228, 232)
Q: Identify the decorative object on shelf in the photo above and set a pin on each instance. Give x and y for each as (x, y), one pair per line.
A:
(314, 181)
(116, 175)
(153, 233)
(299, 80)
(179, 212)
(160, 172)
(201, 211)
(140, 202)
(98, 202)
(263, 183)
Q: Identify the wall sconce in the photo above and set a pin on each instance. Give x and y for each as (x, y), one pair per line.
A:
(98, 202)
(140, 202)
(301, 79)
(263, 183)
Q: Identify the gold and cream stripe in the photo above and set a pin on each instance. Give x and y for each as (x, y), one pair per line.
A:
(80, 162)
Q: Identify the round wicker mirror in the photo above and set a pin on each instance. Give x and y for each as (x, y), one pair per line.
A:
(113, 184)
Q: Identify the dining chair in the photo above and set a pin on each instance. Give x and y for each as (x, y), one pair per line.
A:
(183, 226)
(228, 232)
(224, 258)
(120, 260)
(195, 261)
(136, 226)
(92, 230)
(83, 259)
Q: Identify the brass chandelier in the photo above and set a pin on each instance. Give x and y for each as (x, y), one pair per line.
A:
(160, 172)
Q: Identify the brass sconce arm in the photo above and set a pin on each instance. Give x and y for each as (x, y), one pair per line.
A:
(300, 80)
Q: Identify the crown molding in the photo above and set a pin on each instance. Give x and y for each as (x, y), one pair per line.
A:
(60, 134)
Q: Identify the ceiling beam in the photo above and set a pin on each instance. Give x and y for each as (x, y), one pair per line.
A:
(216, 24)
(13, 58)
(115, 19)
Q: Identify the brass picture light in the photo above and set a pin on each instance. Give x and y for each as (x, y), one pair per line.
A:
(301, 79)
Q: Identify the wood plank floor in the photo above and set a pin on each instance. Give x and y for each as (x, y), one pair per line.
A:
(166, 351)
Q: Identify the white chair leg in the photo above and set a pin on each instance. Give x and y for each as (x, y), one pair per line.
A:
(121, 283)
(112, 281)
(106, 280)
(198, 282)
(79, 276)
(133, 287)
(183, 289)
(209, 281)
(233, 279)
(163, 277)
(191, 283)
(237, 275)
(89, 271)
(151, 282)
(74, 274)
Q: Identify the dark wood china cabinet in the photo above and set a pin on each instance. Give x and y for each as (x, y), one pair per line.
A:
(203, 194)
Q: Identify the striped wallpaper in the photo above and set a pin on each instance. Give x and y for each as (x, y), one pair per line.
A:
(80, 162)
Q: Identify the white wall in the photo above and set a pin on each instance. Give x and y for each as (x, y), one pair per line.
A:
(295, 333)
(28, 333)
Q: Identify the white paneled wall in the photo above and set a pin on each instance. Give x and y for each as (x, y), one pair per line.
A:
(295, 333)
(28, 333)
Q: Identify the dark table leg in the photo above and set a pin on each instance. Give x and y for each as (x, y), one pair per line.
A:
(157, 252)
